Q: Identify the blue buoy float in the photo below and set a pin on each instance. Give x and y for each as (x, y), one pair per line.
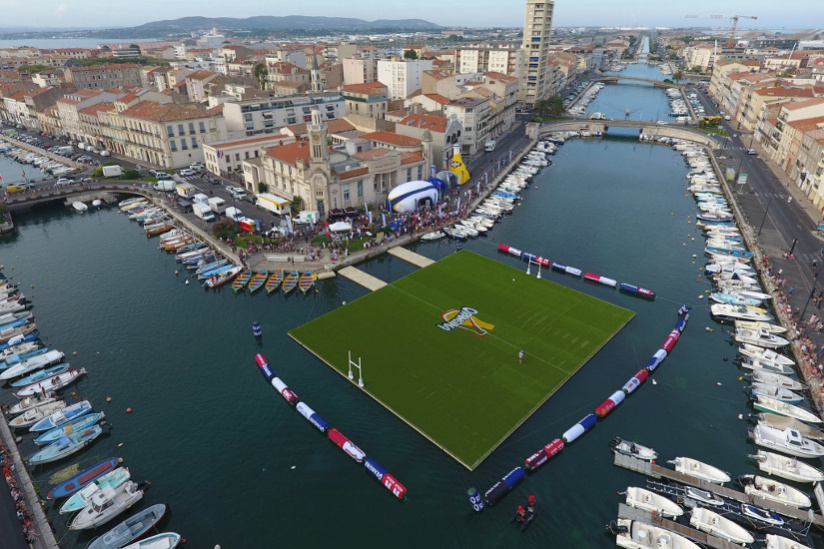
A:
(257, 329)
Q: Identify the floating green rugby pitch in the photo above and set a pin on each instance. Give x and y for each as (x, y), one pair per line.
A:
(460, 383)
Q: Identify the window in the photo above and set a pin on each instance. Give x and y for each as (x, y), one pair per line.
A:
(360, 189)
(237, 157)
(194, 142)
(346, 193)
(183, 146)
(191, 128)
(420, 172)
(173, 144)
(202, 127)
(409, 174)
(180, 130)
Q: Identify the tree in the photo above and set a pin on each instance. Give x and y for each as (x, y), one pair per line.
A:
(261, 72)
(410, 54)
(678, 76)
(262, 188)
(555, 105)
(297, 203)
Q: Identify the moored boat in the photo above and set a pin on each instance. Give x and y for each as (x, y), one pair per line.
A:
(786, 441)
(434, 235)
(167, 540)
(274, 281)
(113, 479)
(785, 422)
(774, 541)
(79, 207)
(779, 380)
(83, 478)
(630, 448)
(765, 355)
(35, 414)
(634, 534)
(732, 313)
(29, 403)
(774, 406)
(65, 446)
(772, 490)
(760, 338)
(758, 366)
(787, 467)
(306, 281)
(130, 529)
(772, 328)
(258, 281)
(641, 498)
(775, 392)
(106, 505)
(62, 416)
(42, 374)
(290, 282)
(241, 280)
(78, 424)
(699, 470)
(720, 527)
(31, 364)
(217, 280)
(53, 383)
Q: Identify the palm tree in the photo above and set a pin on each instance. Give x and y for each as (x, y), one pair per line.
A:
(678, 76)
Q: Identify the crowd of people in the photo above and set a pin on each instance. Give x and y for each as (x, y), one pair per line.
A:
(23, 515)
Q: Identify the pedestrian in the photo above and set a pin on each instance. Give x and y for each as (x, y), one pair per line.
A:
(792, 290)
(521, 356)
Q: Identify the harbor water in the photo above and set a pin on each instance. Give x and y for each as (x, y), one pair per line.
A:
(238, 467)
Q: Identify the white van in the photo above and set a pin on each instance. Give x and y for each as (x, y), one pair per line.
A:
(236, 192)
(307, 216)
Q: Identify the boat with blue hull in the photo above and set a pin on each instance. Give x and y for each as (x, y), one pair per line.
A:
(83, 478)
(66, 446)
(78, 424)
(167, 540)
(63, 416)
(31, 336)
(130, 529)
(15, 359)
(41, 375)
(81, 498)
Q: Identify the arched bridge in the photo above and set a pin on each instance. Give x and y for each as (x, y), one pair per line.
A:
(83, 192)
(649, 129)
(656, 83)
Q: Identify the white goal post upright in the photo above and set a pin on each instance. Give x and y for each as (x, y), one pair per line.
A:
(358, 366)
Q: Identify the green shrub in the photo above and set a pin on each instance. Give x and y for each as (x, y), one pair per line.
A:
(130, 174)
(224, 228)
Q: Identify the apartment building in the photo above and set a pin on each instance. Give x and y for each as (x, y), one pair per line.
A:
(502, 59)
(267, 115)
(444, 133)
(223, 158)
(103, 77)
(474, 115)
(402, 78)
(359, 71)
(535, 48)
(369, 99)
(70, 105)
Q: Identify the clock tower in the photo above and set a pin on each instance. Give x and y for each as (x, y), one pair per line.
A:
(317, 132)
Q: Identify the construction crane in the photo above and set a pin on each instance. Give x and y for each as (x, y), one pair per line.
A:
(734, 18)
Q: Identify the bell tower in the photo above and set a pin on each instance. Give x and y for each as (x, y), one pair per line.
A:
(317, 131)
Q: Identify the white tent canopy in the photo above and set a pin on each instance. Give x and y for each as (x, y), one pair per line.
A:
(340, 226)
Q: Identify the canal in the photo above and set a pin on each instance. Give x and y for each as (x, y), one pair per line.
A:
(239, 468)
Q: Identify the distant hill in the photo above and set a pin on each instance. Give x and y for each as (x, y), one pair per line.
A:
(273, 23)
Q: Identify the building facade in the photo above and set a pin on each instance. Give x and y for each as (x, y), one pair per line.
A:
(535, 51)
(267, 115)
(402, 77)
(104, 77)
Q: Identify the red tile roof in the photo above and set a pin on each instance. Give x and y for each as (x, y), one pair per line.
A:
(392, 139)
(157, 112)
(427, 122)
(438, 98)
(365, 88)
(290, 153)
(350, 174)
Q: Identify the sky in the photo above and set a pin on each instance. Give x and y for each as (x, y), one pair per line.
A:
(470, 13)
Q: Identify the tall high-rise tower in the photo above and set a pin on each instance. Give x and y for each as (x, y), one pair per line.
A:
(533, 83)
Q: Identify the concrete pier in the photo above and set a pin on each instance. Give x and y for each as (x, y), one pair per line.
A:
(411, 257)
(366, 280)
(46, 539)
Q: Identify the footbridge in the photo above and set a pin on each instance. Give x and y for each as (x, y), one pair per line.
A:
(650, 130)
(85, 192)
(656, 83)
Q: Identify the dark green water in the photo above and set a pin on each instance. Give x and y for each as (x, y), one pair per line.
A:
(239, 468)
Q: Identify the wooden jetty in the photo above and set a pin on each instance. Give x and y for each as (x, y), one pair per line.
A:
(364, 279)
(656, 471)
(411, 257)
(631, 513)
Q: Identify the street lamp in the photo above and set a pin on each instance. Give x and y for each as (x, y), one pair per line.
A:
(812, 293)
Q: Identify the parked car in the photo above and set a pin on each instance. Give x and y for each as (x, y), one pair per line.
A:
(752, 151)
(64, 181)
(185, 172)
(18, 188)
(197, 166)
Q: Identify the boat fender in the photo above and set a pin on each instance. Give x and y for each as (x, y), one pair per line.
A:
(475, 499)
(128, 410)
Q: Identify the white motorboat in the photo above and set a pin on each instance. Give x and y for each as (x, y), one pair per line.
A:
(646, 500)
(465, 228)
(20, 349)
(774, 541)
(718, 526)
(761, 338)
(733, 298)
(702, 496)
(772, 328)
(700, 470)
(629, 448)
(729, 268)
(732, 313)
(130, 201)
(774, 406)
(786, 422)
(772, 490)
(97, 203)
(434, 235)
(33, 415)
(776, 392)
(79, 207)
(779, 380)
(634, 534)
(31, 364)
(786, 441)
(168, 540)
(787, 467)
(765, 355)
(106, 505)
(29, 403)
(759, 366)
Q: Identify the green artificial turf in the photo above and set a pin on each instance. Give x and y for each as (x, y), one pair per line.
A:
(463, 391)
